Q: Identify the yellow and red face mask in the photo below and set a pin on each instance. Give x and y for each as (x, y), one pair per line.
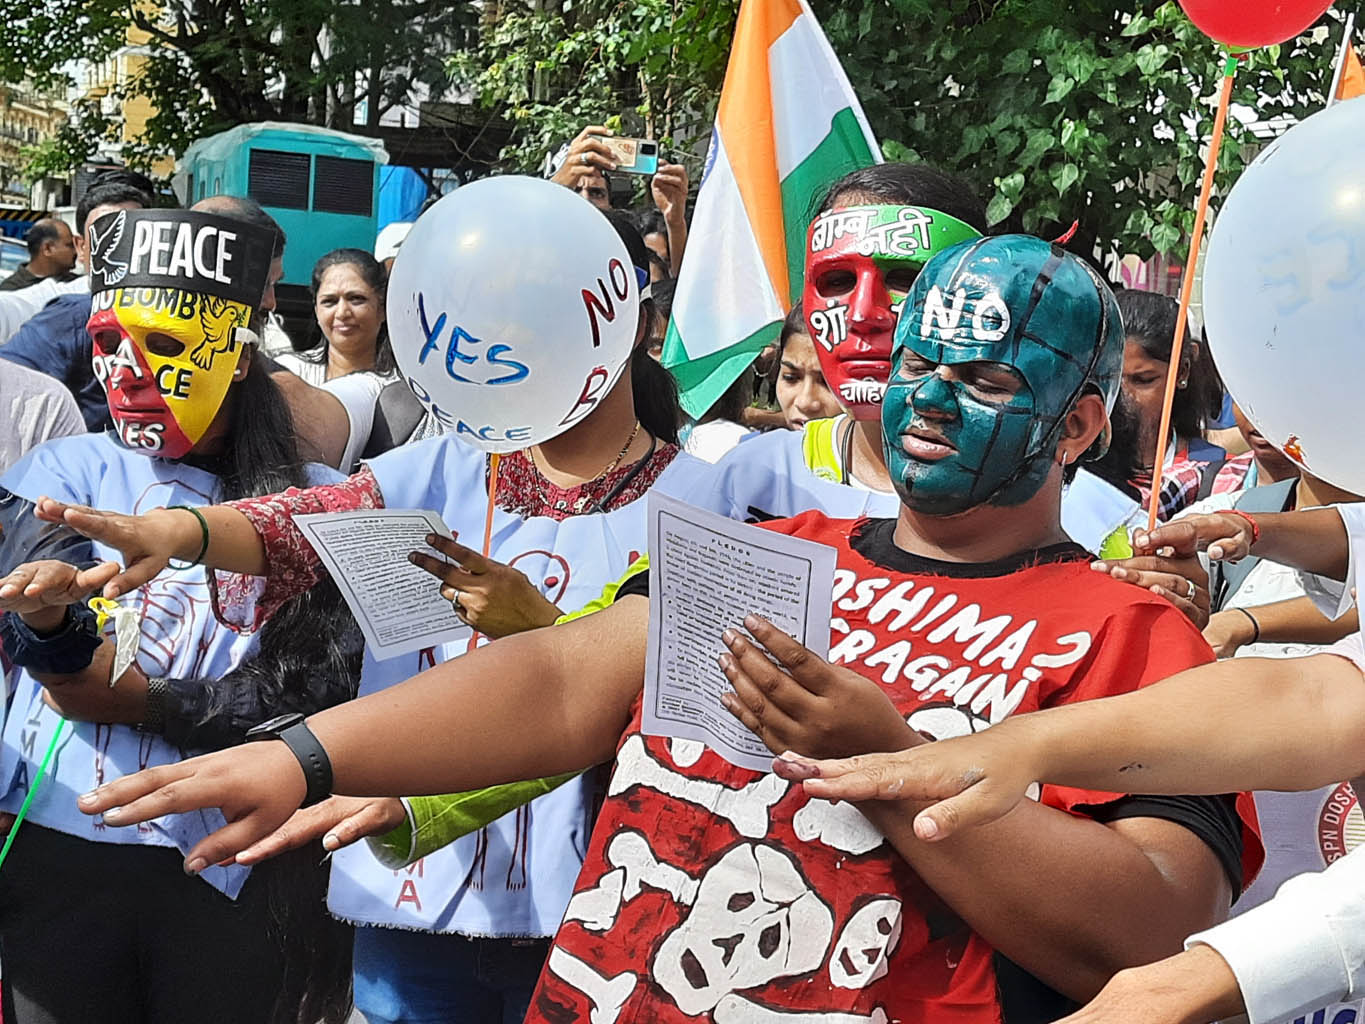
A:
(173, 292)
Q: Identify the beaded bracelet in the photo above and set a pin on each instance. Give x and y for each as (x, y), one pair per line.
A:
(203, 529)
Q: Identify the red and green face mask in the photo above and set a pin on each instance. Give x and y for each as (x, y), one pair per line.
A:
(172, 297)
(860, 263)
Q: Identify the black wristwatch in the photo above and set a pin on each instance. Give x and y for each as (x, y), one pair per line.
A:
(294, 731)
(154, 711)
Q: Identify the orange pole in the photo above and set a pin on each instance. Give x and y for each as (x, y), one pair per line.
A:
(1220, 120)
(493, 460)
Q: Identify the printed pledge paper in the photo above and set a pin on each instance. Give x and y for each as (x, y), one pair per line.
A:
(706, 573)
(399, 607)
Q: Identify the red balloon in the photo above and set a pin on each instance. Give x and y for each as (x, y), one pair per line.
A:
(1248, 24)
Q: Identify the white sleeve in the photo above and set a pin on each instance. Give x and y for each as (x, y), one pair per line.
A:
(1333, 597)
(63, 417)
(17, 307)
(358, 393)
(1304, 947)
(1093, 508)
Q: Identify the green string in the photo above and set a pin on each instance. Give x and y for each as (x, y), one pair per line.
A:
(32, 790)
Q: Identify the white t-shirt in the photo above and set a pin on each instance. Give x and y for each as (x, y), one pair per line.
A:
(710, 441)
(1301, 955)
(359, 394)
(33, 408)
(18, 307)
(314, 373)
(1303, 949)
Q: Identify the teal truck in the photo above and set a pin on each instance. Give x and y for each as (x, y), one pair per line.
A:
(321, 185)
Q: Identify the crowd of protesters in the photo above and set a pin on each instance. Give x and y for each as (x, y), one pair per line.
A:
(531, 854)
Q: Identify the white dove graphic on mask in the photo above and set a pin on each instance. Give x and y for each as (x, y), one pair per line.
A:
(102, 246)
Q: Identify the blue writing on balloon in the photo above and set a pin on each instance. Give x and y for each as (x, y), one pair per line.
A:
(492, 433)
(519, 370)
(487, 432)
(1345, 1016)
(496, 355)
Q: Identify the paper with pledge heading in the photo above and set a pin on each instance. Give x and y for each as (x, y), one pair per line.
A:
(399, 606)
(706, 573)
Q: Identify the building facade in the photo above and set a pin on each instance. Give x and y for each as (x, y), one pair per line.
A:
(27, 118)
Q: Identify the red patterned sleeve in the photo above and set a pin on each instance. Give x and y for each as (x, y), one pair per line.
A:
(243, 603)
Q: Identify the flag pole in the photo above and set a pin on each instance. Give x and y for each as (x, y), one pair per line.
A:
(1187, 285)
(1341, 58)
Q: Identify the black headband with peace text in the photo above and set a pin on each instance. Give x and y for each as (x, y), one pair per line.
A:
(182, 249)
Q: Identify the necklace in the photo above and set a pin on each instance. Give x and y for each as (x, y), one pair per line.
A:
(541, 479)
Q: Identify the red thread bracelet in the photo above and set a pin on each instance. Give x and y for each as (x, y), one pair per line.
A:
(1255, 526)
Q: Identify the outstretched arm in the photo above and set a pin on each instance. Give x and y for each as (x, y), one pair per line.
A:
(1276, 962)
(536, 704)
(150, 541)
(1294, 621)
(1028, 883)
(1161, 739)
(252, 536)
(1313, 540)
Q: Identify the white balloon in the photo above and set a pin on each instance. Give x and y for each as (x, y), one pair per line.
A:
(512, 310)
(1284, 293)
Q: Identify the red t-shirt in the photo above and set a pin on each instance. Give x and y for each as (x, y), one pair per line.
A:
(714, 892)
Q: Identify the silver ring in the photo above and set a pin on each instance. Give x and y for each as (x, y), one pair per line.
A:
(455, 603)
(1193, 590)
(583, 158)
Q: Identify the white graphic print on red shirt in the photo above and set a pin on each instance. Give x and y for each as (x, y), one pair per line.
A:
(711, 892)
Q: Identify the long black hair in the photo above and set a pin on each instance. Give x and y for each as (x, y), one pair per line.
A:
(1149, 319)
(1121, 464)
(653, 388)
(372, 272)
(311, 633)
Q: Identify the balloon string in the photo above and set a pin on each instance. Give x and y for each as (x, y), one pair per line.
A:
(493, 460)
(32, 790)
(1187, 288)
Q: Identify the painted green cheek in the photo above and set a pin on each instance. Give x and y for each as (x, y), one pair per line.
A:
(988, 466)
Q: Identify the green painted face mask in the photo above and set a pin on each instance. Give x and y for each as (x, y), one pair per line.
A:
(1026, 329)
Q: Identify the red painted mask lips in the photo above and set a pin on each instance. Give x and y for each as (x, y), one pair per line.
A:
(142, 418)
(848, 312)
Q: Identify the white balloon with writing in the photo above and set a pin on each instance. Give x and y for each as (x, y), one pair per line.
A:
(1284, 293)
(512, 309)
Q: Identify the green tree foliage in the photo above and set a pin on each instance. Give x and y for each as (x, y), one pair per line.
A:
(73, 143)
(1065, 111)
(217, 63)
(1058, 110)
(643, 67)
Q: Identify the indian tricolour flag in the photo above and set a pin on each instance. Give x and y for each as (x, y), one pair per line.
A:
(787, 127)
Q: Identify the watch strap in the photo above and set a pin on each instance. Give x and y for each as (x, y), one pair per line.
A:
(154, 713)
(313, 759)
(67, 651)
